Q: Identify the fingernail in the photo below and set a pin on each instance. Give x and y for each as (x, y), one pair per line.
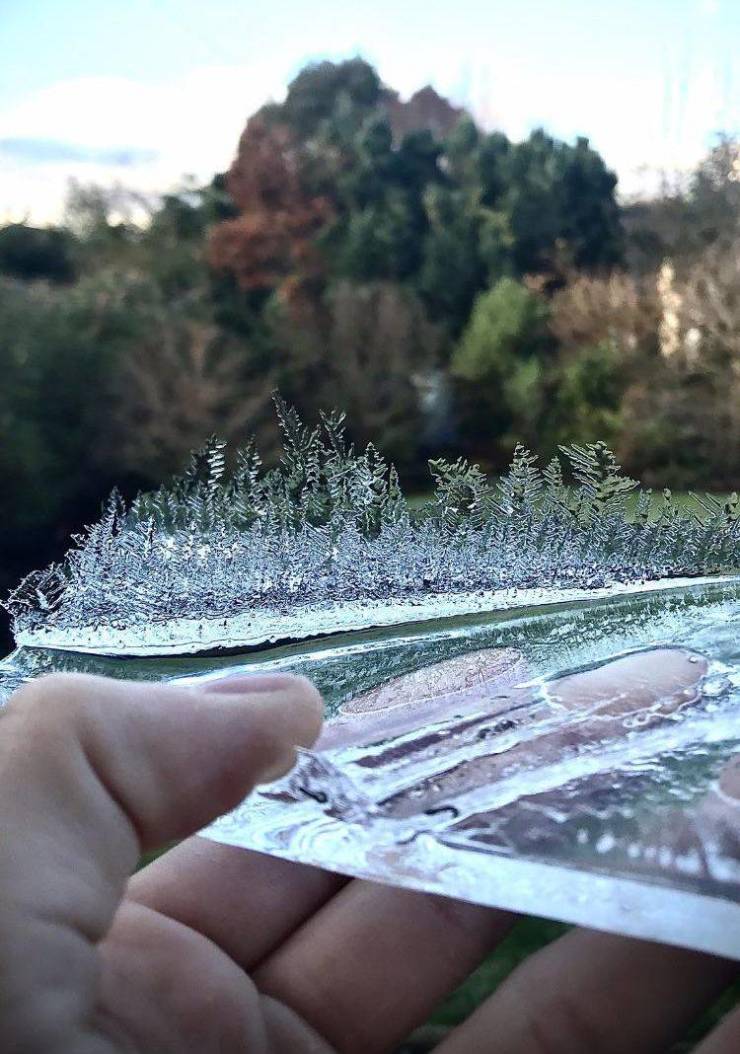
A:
(291, 713)
(247, 683)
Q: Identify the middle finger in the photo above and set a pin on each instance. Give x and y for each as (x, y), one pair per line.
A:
(245, 902)
(373, 963)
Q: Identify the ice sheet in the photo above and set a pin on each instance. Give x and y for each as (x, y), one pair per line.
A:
(621, 812)
(460, 758)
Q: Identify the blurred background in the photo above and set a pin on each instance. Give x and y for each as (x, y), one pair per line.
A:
(465, 224)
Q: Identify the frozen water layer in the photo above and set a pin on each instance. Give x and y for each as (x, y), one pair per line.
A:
(567, 893)
(326, 542)
(567, 797)
(258, 627)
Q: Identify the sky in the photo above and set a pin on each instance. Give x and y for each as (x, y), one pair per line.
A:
(141, 93)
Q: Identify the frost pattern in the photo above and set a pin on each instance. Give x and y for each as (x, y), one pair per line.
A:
(330, 528)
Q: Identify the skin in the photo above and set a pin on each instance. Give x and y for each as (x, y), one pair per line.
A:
(607, 694)
(216, 949)
(461, 685)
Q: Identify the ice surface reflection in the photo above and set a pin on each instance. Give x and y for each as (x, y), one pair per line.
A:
(578, 761)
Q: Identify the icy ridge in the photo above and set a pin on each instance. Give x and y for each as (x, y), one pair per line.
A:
(326, 541)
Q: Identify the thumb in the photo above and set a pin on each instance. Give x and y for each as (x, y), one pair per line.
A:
(92, 771)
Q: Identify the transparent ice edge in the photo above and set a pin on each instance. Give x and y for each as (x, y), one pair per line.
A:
(332, 813)
(614, 904)
(263, 626)
(324, 774)
(339, 824)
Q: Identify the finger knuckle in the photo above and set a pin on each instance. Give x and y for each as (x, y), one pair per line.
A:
(556, 1021)
(49, 696)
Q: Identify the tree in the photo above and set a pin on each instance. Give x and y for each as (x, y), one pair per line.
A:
(714, 195)
(586, 395)
(426, 111)
(619, 309)
(56, 363)
(687, 216)
(106, 223)
(323, 88)
(560, 195)
(453, 269)
(181, 382)
(506, 323)
(500, 361)
(271, 237)
(365, 348)
(32, 253)
(345, 181)
(493, 163)
(468, 243)
(381, 221)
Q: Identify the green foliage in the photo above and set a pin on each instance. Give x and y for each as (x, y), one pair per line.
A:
(49, 363)
(560, 198)
(31, 253)
(500, 362)
(588, 395)
(452, 267)
(380, 221)
(322, 88)
(448, 216)
(505, 323)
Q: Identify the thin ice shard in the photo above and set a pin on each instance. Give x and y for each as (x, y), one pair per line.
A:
(326, 542)
(485, 729)
(464, 758)
(609, 798)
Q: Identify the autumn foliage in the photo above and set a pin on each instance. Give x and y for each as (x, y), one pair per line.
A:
(271, 238)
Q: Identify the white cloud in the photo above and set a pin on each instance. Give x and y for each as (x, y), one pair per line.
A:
(192, 122)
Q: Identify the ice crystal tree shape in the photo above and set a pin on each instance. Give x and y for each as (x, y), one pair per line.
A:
(327, 541)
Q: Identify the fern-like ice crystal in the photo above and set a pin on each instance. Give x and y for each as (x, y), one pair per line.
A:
(329, 526)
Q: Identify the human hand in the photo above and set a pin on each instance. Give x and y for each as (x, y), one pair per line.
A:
(213, 948)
